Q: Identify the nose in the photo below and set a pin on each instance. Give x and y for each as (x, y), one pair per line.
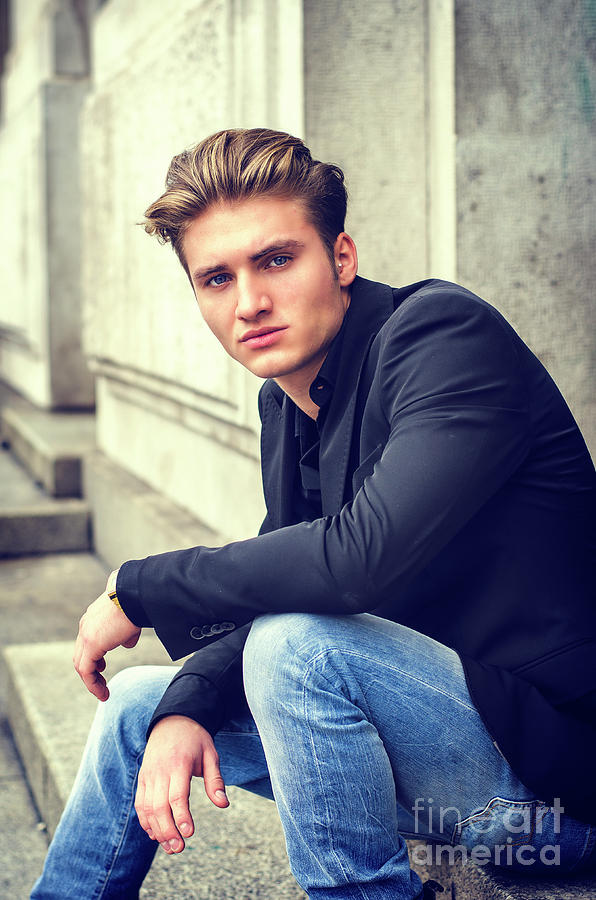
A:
(251, 299)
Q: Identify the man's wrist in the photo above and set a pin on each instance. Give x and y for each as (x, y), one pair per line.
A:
(111, 589)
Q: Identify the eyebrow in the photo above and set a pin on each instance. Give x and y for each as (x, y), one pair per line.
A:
(277, 247)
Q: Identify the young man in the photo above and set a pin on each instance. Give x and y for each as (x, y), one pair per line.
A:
(416, 618)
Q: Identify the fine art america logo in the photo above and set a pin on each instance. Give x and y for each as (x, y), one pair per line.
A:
(504, 833)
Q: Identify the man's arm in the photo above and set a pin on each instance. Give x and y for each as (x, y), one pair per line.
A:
(453, 394)
(454, 398)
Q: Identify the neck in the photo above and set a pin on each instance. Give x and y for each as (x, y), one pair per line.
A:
(297, 387)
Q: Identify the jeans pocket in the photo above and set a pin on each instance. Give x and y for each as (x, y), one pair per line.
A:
(524, 834)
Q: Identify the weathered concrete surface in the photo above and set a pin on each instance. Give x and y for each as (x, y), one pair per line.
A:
(172, 408)
(365, 109)
(23, 839)
(131, 520)
(41, 598)
(44, 82)
(50, 445)
(236, 853)
(526, 143)
(32, 522)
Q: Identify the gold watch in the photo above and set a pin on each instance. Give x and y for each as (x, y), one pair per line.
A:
(111, 588)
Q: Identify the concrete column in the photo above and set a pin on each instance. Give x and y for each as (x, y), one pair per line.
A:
(379, 102)
(525, 169)
(45, 80)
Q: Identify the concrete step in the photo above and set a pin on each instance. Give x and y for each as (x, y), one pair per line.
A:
(236, 853)
(50, 445)
(33, 522)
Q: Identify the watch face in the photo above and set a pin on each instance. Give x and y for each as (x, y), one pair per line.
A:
(111, 585)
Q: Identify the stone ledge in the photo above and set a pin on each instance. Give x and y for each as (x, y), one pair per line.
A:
(63, 527)
(236, 853)
(50, 445)
(31, 522)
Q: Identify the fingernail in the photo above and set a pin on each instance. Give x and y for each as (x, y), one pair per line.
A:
(185, 829)
(174, 844)
(166, 846)
(221, 795)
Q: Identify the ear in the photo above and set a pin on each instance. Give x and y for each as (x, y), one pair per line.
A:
(346, 259)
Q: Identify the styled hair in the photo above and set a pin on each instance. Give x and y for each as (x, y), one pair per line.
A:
(239, 164)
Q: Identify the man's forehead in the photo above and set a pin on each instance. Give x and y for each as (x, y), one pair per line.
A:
(248, 226)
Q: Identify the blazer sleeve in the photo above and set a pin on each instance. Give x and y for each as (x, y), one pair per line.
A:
(450, 385)
(209, 687)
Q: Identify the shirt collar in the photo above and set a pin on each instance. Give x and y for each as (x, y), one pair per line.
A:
(322, 388)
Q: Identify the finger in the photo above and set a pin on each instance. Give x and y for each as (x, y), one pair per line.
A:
(140, 807)
(214, 783)
(179, 794)
(160, 819)
(91, 677)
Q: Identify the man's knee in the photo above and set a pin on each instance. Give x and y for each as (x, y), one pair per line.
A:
(134, 694)
(277, 645)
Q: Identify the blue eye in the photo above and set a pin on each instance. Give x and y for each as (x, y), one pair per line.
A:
(218, 279)
(278, 261)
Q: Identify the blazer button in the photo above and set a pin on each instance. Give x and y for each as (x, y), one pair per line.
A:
(199, 633)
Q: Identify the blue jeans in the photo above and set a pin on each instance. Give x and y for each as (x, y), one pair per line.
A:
(366, 735)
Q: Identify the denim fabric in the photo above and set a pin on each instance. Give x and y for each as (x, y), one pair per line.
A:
(366, 735)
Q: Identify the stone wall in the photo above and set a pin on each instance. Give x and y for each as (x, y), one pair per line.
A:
(526, 147)
(172, 408)
(466, 132)
(43, 86)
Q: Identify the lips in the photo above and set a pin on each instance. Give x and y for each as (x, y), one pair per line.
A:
(262, 337)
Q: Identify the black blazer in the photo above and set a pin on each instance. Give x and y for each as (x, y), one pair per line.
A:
(458, 499)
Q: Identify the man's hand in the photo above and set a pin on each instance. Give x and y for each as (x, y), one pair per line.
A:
(101, 628)
(177, 749)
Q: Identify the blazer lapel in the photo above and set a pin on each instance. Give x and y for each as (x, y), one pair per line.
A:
(278, 456)
(370, 306)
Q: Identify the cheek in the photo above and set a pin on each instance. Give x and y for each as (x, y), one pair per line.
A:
(214, 319)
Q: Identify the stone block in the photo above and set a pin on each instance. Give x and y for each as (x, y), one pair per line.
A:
(50, 445)
(63, 526)
(236, 853)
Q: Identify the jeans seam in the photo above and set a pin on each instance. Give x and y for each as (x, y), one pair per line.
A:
(306, 717)
(122, 829)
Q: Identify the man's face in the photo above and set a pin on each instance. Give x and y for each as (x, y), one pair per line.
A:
(266, 287)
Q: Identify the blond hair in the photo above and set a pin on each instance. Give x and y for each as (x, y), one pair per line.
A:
(239, 164)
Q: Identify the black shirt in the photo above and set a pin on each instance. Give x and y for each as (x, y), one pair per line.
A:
(307, 485)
